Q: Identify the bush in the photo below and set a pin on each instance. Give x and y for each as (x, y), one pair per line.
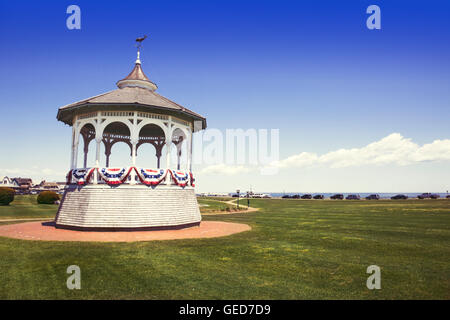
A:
(47, 197)
(6, 196)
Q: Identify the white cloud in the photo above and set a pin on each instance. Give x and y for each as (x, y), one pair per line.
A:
(393, 149)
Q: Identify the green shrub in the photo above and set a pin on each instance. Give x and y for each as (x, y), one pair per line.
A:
(47, 197)
(6, 196)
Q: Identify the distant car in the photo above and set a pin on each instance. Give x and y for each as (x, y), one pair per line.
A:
(306, 196)
(337, 196)
(353, 197)
(448, 196)
(399, 197)
(428, 195)
(318, 196)
(234, 195)
(296, 196)
(286, 196)
(373, 197)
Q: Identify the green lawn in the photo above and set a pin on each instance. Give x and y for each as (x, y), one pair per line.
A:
(27, 207)
(297, 249)
(214, 206)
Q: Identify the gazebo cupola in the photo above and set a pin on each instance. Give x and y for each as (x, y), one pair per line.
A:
(137, 78)
(99, 196)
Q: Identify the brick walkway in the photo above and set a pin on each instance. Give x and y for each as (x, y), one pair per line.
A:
(46, 232)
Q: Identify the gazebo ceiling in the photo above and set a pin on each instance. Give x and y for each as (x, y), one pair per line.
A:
(151, 130)
(117, 128)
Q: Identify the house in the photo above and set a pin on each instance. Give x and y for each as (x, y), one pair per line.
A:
(22, 185)
(48, 186)
(9, 183)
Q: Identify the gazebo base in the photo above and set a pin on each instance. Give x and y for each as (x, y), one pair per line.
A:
(127, 207)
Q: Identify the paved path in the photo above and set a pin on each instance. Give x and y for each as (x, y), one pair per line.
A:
(27, 219)
(40, 231)
(249, 209)
(232, 202)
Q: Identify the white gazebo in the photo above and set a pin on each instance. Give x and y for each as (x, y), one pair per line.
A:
(101, 197)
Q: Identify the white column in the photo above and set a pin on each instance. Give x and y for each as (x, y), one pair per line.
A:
(189, 151)
(134, 139)
(168, 147)
(72, 151)
(75, 148)
(97, 158)
(98, 140)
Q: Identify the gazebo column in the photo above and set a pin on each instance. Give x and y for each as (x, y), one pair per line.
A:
(107, 154)
(133, 160)
(72, 151)
(189, 152)
(75, 150)
(108, 145)
(159, 154)
(85, 150)
(158, 144)
(168, 147)
(85, 158)
(97, 158)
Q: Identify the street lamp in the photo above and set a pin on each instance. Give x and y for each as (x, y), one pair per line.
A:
(248, 200)
(238, 191)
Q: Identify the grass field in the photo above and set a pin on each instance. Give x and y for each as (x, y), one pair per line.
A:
(27, 207)
(297, 249)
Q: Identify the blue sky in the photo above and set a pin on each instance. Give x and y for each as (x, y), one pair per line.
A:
(310, 68)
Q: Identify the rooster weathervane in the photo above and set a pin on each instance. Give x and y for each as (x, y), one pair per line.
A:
(139, 41)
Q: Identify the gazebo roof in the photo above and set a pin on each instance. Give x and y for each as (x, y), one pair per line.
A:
(135, 91)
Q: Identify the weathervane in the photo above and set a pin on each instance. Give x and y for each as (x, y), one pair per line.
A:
(138, 46)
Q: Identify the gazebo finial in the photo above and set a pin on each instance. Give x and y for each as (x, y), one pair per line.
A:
(139, 45)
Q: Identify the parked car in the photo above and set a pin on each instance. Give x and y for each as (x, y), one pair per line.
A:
(286, 196)
(337, 196)
(306, 196)
(296, 196)
(318, 196)
(428, 195)
(373, 197)
(353, 197)
(399, 197)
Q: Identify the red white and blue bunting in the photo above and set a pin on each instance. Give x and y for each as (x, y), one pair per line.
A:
(151, 177)
(114, 175)
(80, 176)
(180, 178)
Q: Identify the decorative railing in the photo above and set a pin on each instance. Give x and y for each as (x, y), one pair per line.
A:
(124, 175)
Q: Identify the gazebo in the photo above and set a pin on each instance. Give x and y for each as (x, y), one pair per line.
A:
(127, 197)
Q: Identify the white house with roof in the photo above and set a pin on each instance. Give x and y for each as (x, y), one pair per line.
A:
(9, 183)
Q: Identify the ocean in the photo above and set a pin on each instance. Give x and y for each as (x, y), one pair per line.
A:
(383, 195)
